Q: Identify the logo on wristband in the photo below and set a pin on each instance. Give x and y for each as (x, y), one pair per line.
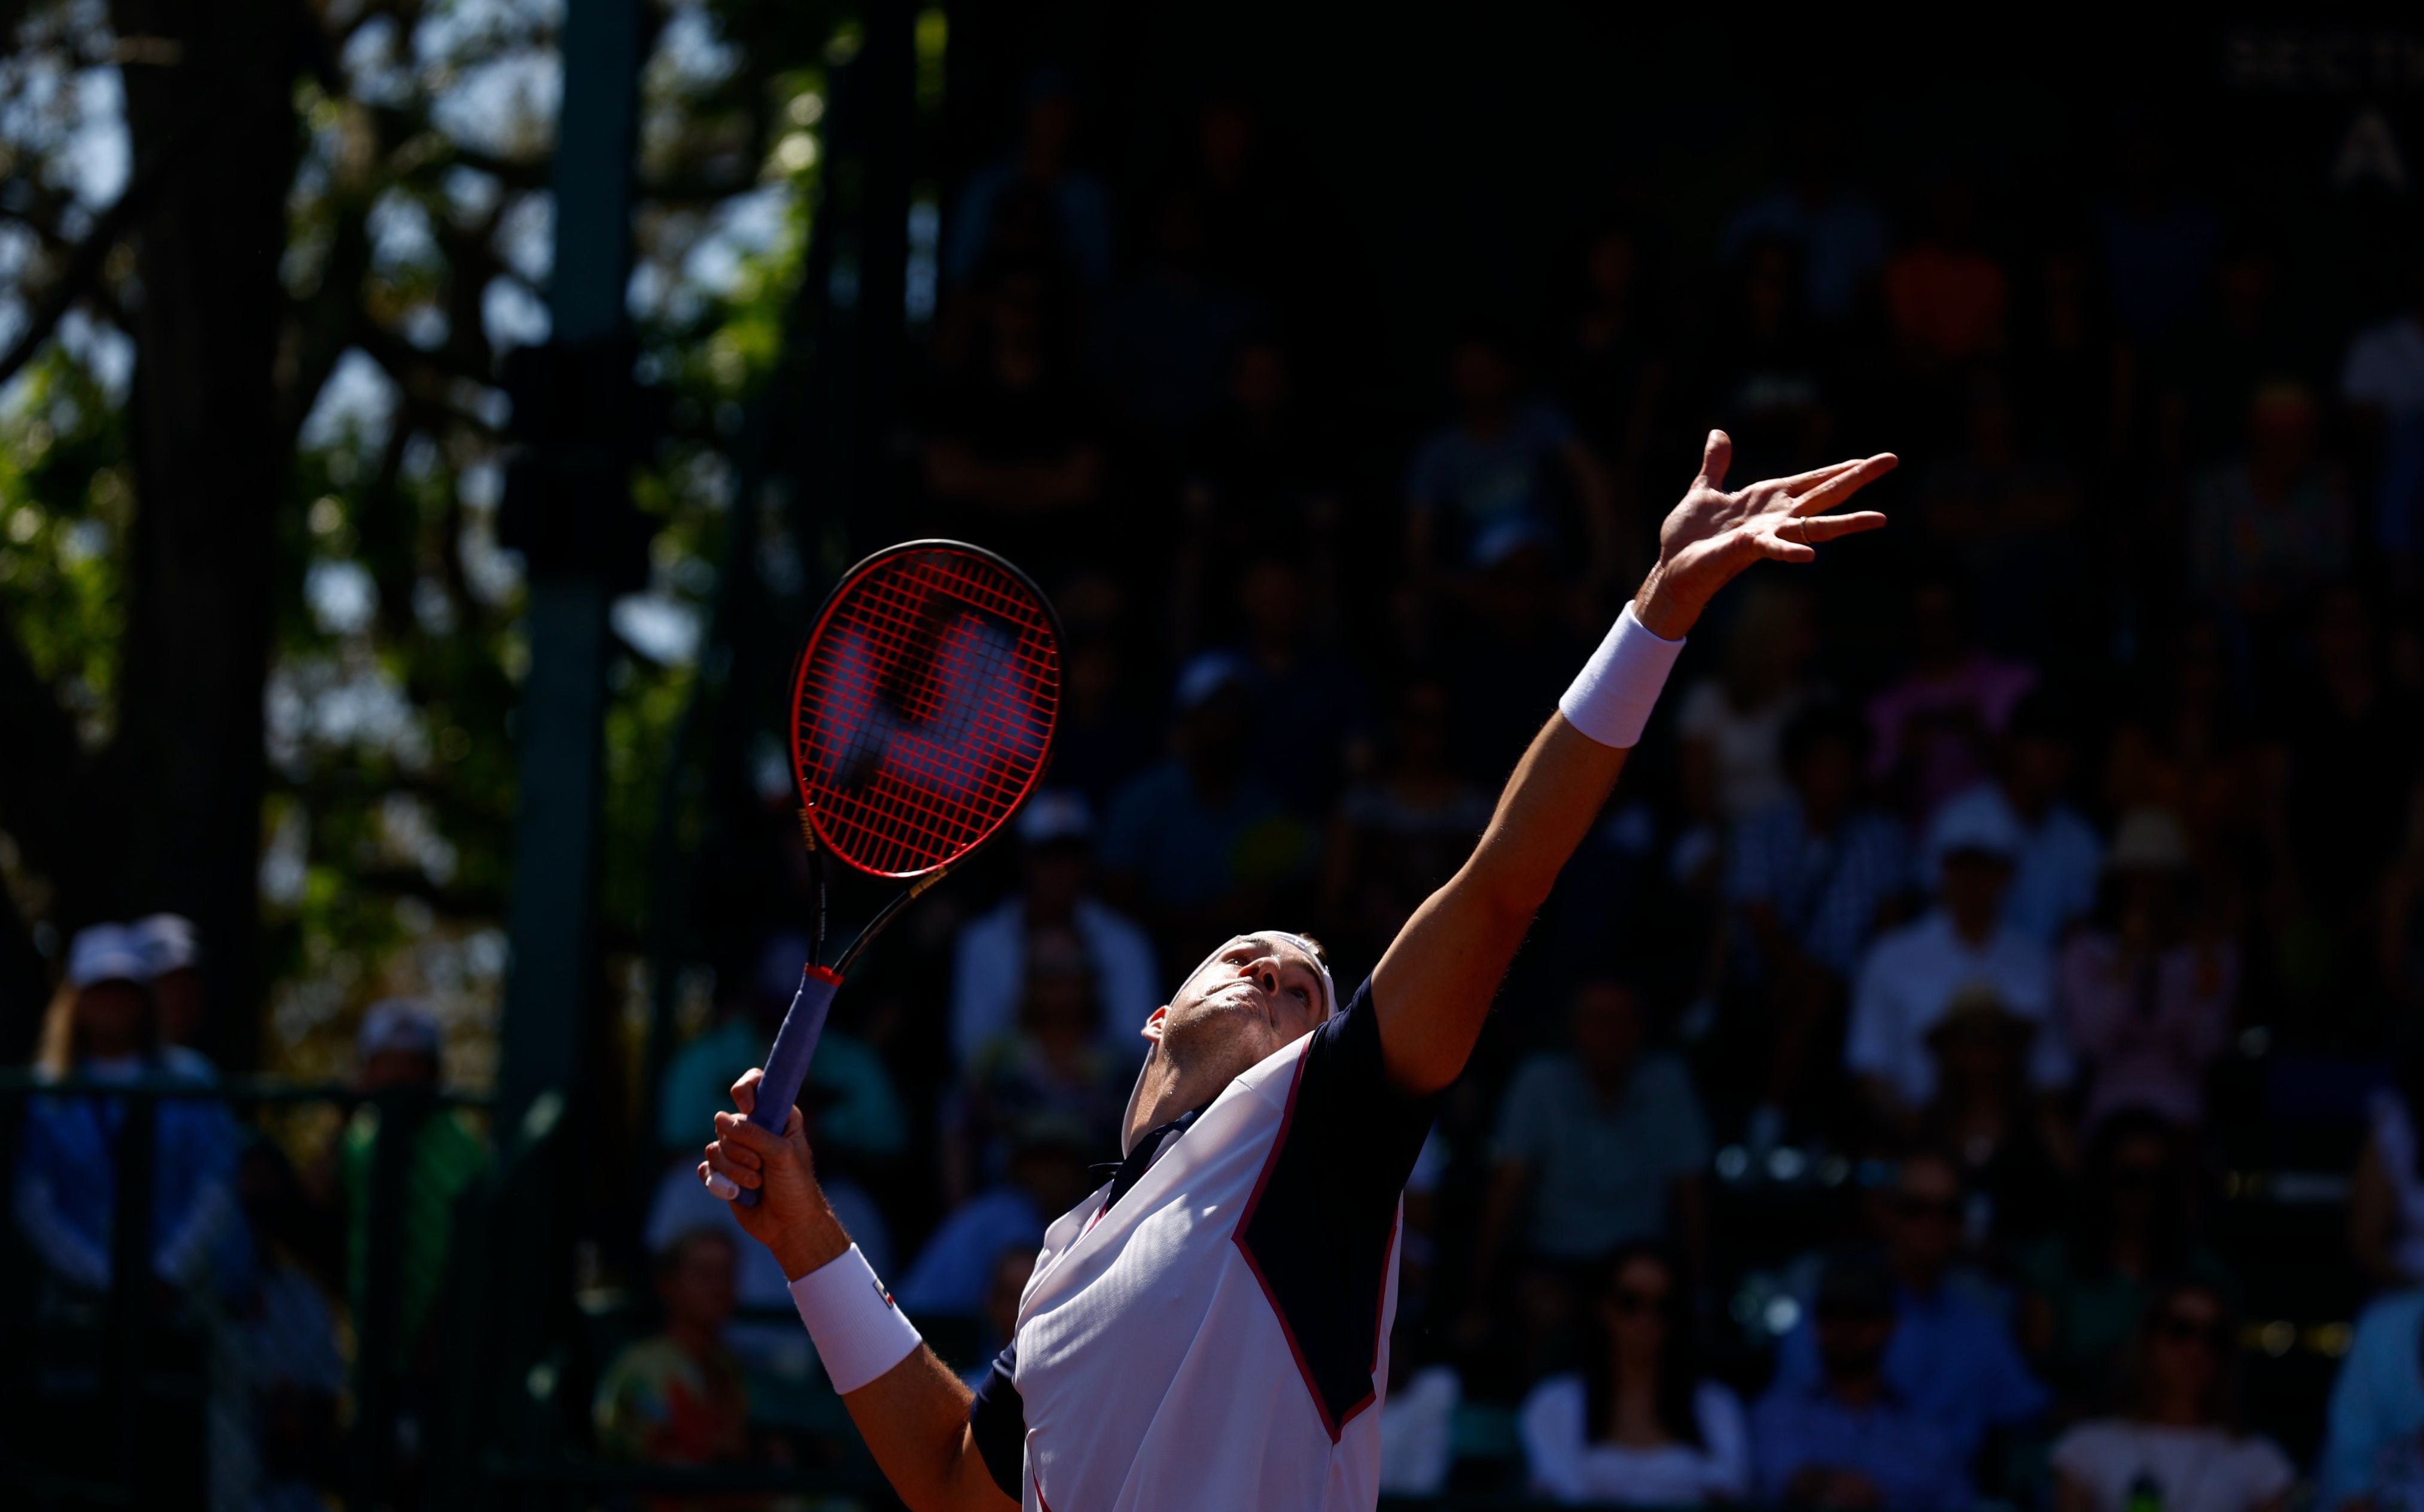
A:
(878, 1283)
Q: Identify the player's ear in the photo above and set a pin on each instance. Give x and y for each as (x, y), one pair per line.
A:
(1152, 1030)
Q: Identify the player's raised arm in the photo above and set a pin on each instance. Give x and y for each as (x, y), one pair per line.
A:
(910, 1409)
(1434, 985)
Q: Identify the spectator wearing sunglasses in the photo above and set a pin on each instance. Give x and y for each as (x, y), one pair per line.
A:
(2177, 1442)
(1951, 1359)
(1848, 1437)
(1637, 1426)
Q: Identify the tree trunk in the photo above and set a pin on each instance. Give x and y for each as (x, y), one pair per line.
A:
(211, 474)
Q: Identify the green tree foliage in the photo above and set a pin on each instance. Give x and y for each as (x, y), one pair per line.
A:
(417, 251)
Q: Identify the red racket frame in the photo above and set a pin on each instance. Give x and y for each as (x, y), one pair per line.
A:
(841, 589)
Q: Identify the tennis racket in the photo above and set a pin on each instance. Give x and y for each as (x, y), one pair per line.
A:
(922, 712)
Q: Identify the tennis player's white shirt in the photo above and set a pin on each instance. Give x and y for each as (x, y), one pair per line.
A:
(1210, 1329)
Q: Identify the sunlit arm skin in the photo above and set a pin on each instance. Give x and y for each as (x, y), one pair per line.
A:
(914, 1416)
(1432, 988)
(1434, 985)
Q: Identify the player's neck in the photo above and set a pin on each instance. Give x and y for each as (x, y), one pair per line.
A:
(1173, 1085)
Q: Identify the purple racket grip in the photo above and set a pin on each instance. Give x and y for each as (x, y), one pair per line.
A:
(787, 1064)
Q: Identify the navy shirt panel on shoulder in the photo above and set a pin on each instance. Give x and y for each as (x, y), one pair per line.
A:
(1320, 1228)
(997, 1423)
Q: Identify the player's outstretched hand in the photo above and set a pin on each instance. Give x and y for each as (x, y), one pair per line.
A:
(1713, 535)
(790, 1217)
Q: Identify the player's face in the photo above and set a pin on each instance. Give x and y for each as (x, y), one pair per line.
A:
(1258, 990)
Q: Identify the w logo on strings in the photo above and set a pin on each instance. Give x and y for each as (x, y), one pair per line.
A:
(941, 724)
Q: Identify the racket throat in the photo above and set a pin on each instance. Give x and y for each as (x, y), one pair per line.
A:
(883, 917)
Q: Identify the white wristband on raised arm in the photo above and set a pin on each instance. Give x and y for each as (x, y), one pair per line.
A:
(859, 1330)
(1611, 700)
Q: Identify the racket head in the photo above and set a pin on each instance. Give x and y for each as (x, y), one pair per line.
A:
(924, 705)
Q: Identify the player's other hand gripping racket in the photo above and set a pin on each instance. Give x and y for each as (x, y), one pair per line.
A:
(922, 712)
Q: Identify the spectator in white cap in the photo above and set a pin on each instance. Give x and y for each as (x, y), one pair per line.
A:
(172, 959)
(103, 1028)
(1056, 833)
(401, 1046)
(1910, 976)
(2060, 859)
(101, 1009)
(1195, 841)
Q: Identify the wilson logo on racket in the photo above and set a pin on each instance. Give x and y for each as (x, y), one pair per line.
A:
(922, 706)
(961, 718)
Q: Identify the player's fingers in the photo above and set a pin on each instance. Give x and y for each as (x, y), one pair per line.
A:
(1845, 484)
(738, 1133)
(1717, 455)
(733, 1154)
(1816, 528)
(1800, 483)
(720, 1162)
(717, 1182)
(745, 1091)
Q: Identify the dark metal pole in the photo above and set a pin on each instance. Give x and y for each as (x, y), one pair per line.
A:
(563, 705)
(568, 509)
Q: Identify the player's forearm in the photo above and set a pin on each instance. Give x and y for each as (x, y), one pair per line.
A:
(915, 1419)
(810, 1243)
(1544, 811)
(1434, 985)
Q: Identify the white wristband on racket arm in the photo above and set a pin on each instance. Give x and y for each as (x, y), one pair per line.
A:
(1611, 700)
(859, 1330)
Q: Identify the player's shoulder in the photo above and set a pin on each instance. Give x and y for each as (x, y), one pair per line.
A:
(1348, 1038)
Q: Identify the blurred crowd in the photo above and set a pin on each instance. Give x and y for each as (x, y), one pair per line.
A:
(2007, 932)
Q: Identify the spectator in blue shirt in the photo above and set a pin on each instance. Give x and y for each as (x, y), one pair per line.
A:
(954, 1274)
(1952, 1358)
(1081, 211)
(1506, 463)
(1597, 1147)
(2376, 1405)
(1841, 237)
(1848, 1437)
(104, 1028)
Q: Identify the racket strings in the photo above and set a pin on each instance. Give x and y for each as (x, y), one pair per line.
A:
(925, 708)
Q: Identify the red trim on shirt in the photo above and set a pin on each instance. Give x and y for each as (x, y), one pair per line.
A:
(1335, 1428)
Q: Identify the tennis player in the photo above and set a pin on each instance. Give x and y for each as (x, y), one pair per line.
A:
(1209, 1329)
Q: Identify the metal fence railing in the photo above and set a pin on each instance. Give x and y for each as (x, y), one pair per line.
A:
(190, 1316)
(393, 1318)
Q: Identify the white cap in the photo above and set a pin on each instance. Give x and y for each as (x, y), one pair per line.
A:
(107, 952)
(1058, 815)
(169, 942)
(1980, 821)
(403, 1024)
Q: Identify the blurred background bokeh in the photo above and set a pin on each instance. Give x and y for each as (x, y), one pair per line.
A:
(1985, 1021)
